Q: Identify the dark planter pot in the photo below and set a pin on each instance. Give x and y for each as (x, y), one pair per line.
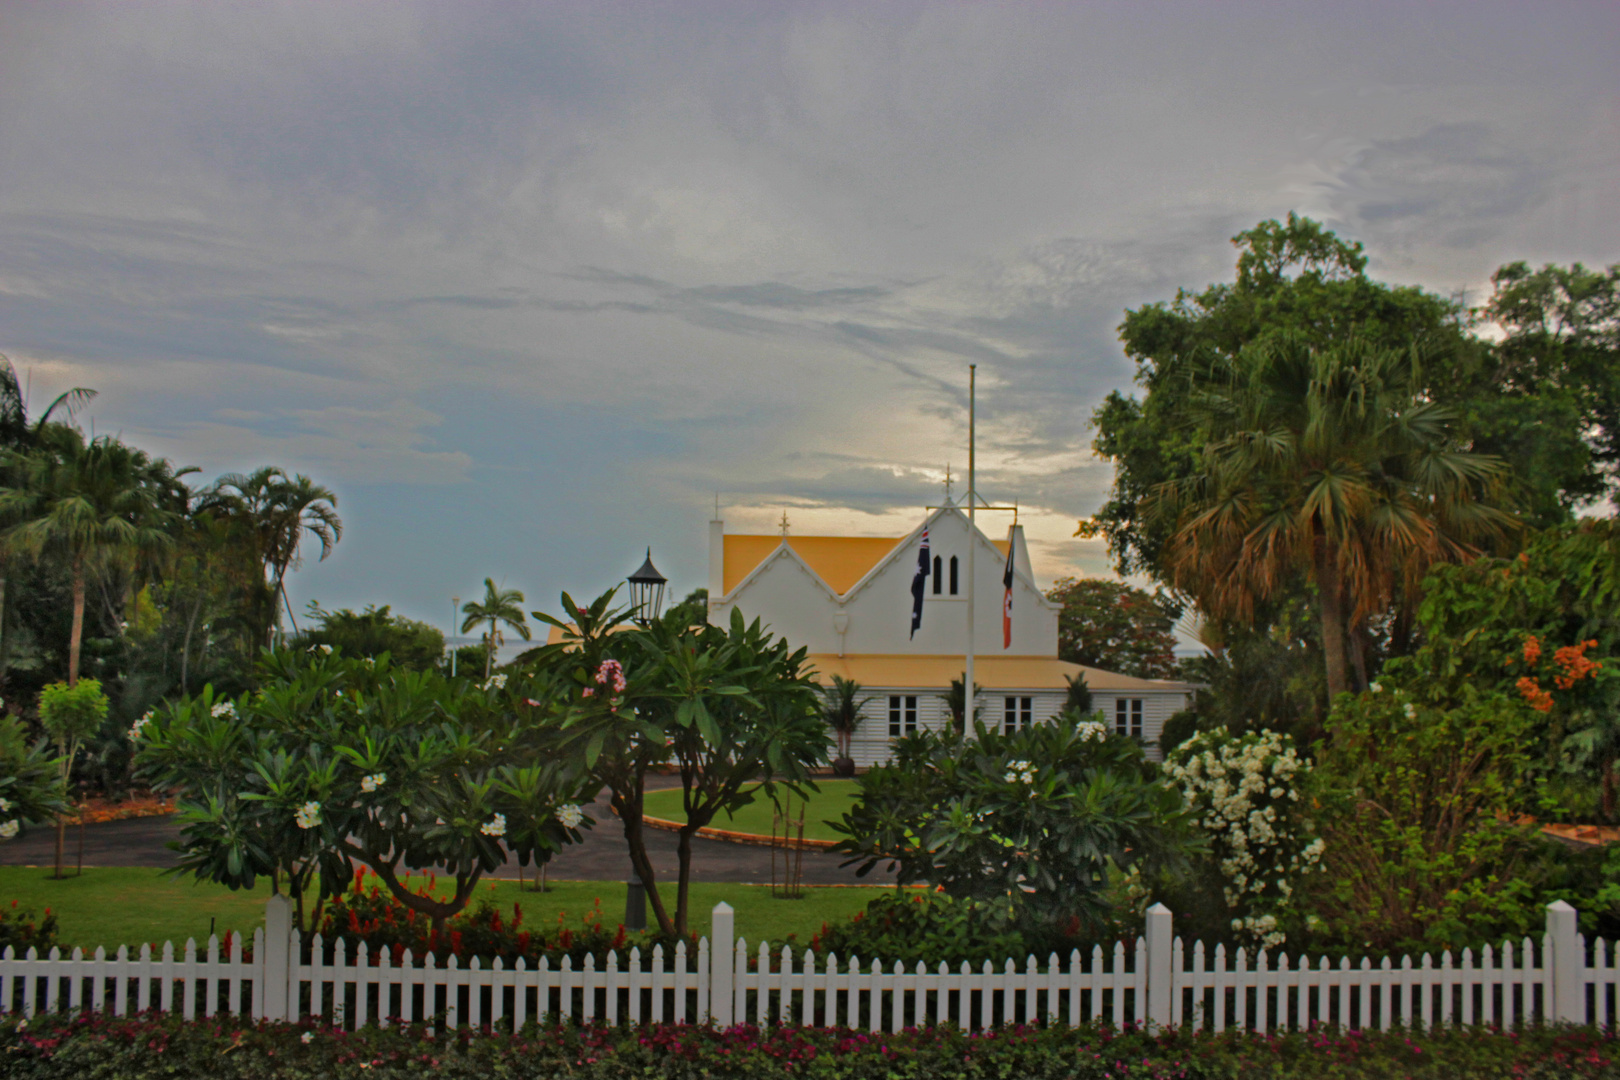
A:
(843, 766)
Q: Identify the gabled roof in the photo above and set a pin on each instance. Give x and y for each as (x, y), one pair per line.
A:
(839, 561)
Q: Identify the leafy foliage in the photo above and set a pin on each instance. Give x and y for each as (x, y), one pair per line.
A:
(21, 929)
(374, 631)
(1027, 825)
(935, 927)
(1116, 627)
(341, 761)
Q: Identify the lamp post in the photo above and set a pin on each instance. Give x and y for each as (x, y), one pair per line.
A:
(455, 613)
(646, 592)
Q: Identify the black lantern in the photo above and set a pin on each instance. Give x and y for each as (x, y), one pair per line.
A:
(647, 592)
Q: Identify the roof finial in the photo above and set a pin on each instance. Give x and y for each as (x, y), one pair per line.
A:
(947, 482)
(784, 524)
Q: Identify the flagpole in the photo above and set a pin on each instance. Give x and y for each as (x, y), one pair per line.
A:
(973, 537)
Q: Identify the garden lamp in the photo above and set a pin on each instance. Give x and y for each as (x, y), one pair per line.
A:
(647, 592)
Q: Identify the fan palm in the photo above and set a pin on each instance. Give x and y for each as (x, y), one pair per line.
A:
(498, 607)
(94, 505)
(1329, 462)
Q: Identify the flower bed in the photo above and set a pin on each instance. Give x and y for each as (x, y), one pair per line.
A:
(152, 1046)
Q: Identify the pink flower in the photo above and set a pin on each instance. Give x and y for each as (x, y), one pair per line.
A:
(531, 703)
(588, 692)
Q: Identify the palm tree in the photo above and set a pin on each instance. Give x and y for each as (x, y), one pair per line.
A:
(278, 510)
(497, 607)
(95, 505)
(1329, 462)
(19, 433)
(841, 707)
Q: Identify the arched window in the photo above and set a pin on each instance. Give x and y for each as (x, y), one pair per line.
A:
(938, 585)
(953, 575)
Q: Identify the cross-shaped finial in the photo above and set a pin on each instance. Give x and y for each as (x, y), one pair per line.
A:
(784, 523)
(947, 483)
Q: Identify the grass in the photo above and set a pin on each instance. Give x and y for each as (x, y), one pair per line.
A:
(114, 906)
(835, 797)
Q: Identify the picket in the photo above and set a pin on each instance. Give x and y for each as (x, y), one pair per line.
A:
(1561, 976)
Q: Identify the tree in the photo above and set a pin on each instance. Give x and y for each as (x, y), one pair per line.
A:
(1116, 627)
(30, 779)
(372, 633)
(19, 433)
(1545, 396)
(338, 761)
(70, 713)
(92, 505)
(278, 510)
(498, 607)
(693, 610)
(841, 707)
(732, 708)
(1332, 464)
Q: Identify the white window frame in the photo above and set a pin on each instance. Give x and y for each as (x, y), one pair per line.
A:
(902, 715)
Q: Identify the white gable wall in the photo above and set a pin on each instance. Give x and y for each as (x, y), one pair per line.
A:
(878, 609)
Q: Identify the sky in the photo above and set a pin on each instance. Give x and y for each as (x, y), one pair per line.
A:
(531, 286)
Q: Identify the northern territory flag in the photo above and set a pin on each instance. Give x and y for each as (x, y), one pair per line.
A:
(1006, 601)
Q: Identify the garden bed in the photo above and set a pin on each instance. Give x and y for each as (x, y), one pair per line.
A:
(225, 1048)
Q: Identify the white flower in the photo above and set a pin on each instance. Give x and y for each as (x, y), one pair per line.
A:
(326, 650)
(1375, 688)
(224, 708)
(371, 783)
(495, 682)
(307, 1037)
(1010, 777)
(570, 815)
(9, 829)
(1091, 730)
(1411, 712)
(1027, 777)
(135, 728)
(308, 815)
(495, 826)
(5, 806)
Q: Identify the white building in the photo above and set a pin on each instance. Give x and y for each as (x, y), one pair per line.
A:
(848, 599)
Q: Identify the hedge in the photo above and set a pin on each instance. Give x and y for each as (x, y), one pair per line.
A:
(156, 1045)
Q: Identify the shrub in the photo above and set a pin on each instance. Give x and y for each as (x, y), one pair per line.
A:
(154, 1045)
(374, 917)
(1029, 825)
(1245, 791)
(21, 930)
(935, 927)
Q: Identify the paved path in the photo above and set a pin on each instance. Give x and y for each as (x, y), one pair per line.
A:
(602, 857)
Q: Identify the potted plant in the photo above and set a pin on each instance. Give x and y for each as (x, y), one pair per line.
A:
(842, 706)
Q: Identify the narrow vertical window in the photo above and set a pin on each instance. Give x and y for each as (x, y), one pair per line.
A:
(1026, 712)
(894, 716)
(938, 584)
(902, 715)
(1122, 712)
(1009, 715)
(953, 575)
(1136, 718)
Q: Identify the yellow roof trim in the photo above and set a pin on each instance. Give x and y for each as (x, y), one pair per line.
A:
(990, 672)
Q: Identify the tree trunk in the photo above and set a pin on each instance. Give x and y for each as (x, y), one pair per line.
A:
(630, 817)
(1360, 643)
(185, 650)
(1329, 588)
(78, 620)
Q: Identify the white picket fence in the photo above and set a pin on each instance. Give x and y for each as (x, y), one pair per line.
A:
(1158, 980)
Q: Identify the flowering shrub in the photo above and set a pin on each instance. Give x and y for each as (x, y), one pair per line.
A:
(371, 915)
(1244, 790)
(154, 1045)
(934, 926)
(21, 930)
(1030, 825)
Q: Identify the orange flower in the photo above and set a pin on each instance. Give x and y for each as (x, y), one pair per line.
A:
(1532, 650)
(1572, 658)
(1539, 699)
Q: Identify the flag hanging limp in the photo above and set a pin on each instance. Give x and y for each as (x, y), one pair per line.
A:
(918, 583)
(1006, 602)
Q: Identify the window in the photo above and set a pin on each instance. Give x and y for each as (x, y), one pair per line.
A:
(1128, 717)
(953, 575)
(938, 584)
(902, 714)
(1018, 712)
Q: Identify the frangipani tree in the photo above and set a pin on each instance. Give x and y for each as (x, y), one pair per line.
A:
(338, 762)
(30, 779)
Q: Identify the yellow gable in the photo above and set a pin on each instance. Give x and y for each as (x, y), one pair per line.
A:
(840, 561)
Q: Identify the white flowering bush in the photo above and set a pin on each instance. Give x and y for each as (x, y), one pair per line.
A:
(1245, 794)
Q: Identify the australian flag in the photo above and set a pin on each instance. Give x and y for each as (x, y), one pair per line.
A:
(919, 582)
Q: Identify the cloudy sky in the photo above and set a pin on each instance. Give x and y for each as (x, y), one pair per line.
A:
(529, 285)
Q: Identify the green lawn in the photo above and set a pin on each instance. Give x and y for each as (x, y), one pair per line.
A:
(124, 905)
(835, 797)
